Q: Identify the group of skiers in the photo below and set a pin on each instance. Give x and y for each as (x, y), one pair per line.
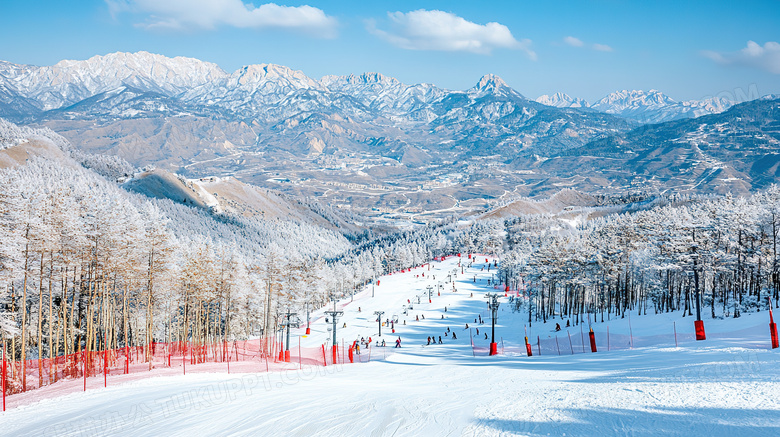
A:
(366, 343)
(432, 339)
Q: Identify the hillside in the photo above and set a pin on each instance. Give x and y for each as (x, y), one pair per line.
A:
(228, 195)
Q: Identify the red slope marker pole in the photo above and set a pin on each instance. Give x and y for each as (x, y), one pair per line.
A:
(772, 327)
(4, 375)
(85, 369)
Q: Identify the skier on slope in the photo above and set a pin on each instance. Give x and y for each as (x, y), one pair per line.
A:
(429, 340)
(454, 337)
(398, 342)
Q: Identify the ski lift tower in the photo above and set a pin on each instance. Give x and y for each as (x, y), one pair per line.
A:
(290, 319)
(698, 324)
(430, 290)
(334, 315)
(493, 305)
(379, 319)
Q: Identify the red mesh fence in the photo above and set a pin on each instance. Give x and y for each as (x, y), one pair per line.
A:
(577, 341)
(256, 355)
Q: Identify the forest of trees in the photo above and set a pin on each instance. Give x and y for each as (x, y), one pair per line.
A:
(648, 261)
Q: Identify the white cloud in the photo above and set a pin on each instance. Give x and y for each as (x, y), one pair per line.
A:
(766, 57)
(210, 14)
(574, 42)
(445, 31)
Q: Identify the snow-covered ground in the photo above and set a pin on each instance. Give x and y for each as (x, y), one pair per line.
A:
(726, 385)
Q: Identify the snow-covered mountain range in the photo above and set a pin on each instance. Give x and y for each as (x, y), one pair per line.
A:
(119, 80)
(642, 106)
(68, 82)
(289, 111)
(377, 138)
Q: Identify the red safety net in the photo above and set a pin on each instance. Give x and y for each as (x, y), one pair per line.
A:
(257, 355)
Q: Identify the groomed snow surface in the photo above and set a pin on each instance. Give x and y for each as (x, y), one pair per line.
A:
(726, 385)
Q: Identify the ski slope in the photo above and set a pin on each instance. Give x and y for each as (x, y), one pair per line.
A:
(726, 385)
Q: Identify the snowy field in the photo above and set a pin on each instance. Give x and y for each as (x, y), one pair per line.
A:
(726, 385)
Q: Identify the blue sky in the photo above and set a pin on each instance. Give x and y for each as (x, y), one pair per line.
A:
(688, 49)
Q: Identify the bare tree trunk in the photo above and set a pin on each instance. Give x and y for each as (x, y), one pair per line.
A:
(40, 324)
(51, 320)
(149, 313)
(24, 310)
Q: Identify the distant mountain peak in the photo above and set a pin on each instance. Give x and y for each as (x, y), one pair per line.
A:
(377, 78)
(69, 81)
(252, 76)
(369, 78)
(490, 82)
(635, 98)
(655, 107)
(562, 100)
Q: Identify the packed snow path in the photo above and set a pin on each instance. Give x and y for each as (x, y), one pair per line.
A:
(723, 386)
